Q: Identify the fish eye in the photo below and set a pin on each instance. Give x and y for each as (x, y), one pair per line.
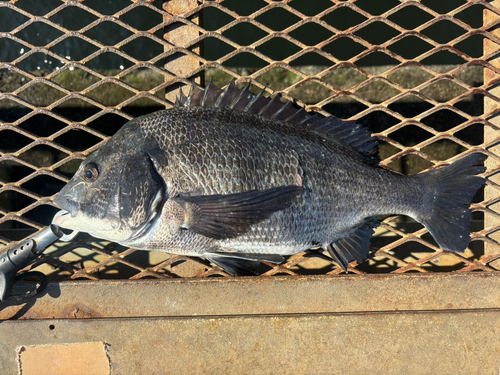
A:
(90, 172)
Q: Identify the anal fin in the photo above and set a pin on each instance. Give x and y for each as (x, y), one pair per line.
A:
(242, 264)
(355, 246)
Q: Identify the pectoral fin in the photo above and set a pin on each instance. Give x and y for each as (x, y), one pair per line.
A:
(228, 216)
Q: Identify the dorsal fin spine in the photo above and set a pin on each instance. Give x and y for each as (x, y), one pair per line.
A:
(222, 96)
(210, 91)
(189, 99)
(243, 92)
(283, 109)
(205, 94)
(300, 112)
(251, 103)
(181, 99)
(269, 104)
(244, 101)
(304, 121)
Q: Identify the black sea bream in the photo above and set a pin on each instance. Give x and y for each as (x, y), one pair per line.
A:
(237, 178)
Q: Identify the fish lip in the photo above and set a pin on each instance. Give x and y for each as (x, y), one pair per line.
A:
(67, 204)
(60, 218)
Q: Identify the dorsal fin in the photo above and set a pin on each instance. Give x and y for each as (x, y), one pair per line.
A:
(244, 101)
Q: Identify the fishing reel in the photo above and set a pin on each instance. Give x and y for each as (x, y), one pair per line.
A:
(24, 253)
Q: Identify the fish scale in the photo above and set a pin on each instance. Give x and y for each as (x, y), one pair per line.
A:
(239, 178)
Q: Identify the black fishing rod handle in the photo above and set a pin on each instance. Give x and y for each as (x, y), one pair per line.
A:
(11, 262)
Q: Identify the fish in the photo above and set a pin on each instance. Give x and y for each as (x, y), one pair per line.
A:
(238, 178)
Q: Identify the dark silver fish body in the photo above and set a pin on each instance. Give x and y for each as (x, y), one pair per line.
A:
(213, 151)
(233, 176)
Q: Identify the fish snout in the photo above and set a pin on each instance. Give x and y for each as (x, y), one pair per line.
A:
(66, 204)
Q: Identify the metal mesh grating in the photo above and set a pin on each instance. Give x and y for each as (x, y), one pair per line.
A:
(426, 88)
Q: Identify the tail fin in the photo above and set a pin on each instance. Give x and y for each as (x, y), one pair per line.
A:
(456, 185)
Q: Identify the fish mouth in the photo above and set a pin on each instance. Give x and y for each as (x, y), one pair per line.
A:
(60, 218)
(67, 204)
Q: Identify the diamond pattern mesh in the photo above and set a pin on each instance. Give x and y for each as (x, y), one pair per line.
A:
(415, 73)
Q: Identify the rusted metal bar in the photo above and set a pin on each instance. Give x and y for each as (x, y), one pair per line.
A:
(491, 133)
(181, 66)
(257, 296)
(180, 35)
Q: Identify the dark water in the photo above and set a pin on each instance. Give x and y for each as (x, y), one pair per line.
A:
(73, 48)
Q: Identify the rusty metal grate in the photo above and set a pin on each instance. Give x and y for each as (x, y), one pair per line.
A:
(426, 88)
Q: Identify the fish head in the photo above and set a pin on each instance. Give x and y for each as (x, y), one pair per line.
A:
(114, 195)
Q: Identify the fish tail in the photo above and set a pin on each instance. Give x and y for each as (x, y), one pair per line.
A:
(454, 186)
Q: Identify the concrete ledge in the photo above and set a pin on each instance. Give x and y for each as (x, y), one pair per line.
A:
(461, 342)
(389, 324)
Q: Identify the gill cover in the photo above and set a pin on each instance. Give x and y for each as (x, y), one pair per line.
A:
(142, 194)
